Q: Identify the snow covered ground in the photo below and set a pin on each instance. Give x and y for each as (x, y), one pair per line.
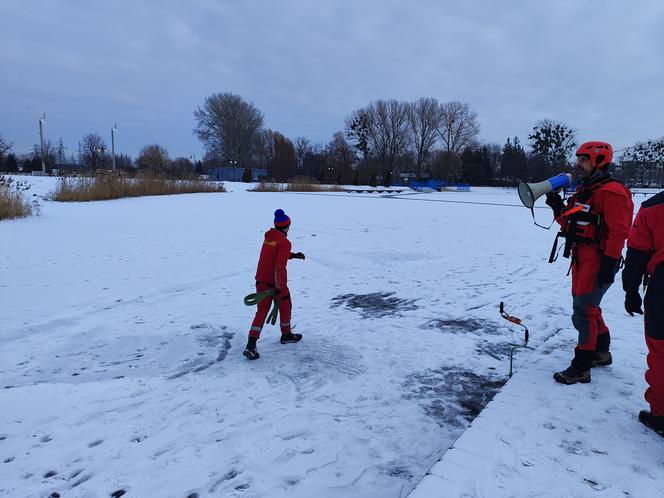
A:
(123, 326)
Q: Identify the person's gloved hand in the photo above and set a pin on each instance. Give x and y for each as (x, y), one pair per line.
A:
(297, 255)
(555, 202)
(633, 303)
(608, 267)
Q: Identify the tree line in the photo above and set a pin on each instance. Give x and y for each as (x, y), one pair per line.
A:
(94, 154)
(424, 138)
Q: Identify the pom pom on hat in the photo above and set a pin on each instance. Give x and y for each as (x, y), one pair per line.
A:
(281, 220)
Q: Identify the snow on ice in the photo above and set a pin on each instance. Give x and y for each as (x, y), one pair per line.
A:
(123, 325)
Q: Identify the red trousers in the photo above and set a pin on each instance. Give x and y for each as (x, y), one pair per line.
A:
(264, 306)
(654, 324)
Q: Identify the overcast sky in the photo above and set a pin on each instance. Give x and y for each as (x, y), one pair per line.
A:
(147, 65)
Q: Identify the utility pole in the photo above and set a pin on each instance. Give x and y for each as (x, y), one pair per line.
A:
(42, 120)
(114, 130)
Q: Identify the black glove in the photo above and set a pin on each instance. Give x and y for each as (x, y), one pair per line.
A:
(296, 255)
(555, 202)
(607, 270)
(633, 303)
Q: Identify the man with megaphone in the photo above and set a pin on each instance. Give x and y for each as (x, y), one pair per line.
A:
(595, 223)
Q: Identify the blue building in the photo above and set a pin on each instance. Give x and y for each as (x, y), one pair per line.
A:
(230, 174)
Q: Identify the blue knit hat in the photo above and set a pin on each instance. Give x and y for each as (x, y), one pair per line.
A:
(281, 220)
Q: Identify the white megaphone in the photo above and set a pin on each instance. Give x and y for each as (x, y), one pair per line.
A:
(530, 192)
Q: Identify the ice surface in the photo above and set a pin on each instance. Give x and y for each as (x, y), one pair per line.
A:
(123, 325)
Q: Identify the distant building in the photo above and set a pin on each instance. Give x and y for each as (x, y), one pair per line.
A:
(408, 176)
(230, 174)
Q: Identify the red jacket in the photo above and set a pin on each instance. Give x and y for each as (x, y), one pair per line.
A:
(613, 201)
(647, 233)
(273, 259)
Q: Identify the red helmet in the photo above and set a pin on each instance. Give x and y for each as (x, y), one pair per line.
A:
(599, 153)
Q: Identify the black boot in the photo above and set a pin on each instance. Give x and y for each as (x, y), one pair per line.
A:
(656, 423)
(289, 337)
(572, 375)
(250, 352)
(583, 359)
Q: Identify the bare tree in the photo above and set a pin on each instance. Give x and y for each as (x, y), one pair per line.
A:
(424, 116)
(50, 153)
(383, 125)
(154, 158)
(182, 167)
(280, 155)
(94, 152)
(644, 162)
(124, 162)
(341, 156)
(4, 148)
(229, 127)
(302, 148)
(457, 129)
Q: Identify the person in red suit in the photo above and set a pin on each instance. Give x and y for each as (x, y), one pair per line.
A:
(272, 274)
(595, 224)
(645, 258)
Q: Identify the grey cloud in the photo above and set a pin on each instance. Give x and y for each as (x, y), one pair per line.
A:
(148, 64)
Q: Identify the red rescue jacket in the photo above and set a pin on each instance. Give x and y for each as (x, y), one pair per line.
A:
(647, 233)
(603, 224)
(273, 259)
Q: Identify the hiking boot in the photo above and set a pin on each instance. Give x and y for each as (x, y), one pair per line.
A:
(250, 352)
(602, 359)
(290, 337)
(656, 423)
(572, 375)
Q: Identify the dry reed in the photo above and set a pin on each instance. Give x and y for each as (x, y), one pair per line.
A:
(13, 203)
(106, 185)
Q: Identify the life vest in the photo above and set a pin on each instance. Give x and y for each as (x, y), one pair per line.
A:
(579, 226)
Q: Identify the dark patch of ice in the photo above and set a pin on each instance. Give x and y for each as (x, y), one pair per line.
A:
(399, 472)
(499, 351)
(375, 305)
(452, 396)
(218, 339)
(464, 326)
